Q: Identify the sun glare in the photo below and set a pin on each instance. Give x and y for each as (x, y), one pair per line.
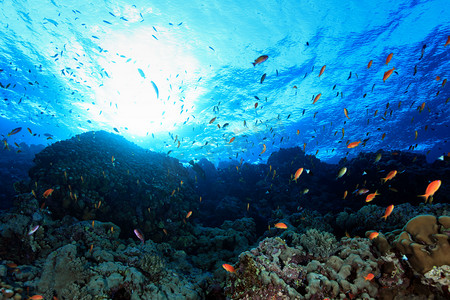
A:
(142, 87)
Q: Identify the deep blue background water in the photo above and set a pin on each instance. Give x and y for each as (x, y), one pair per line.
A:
(76, 67)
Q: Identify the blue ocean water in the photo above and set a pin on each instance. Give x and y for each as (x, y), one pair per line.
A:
(159, 72)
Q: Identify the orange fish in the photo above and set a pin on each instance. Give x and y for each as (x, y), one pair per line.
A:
(389, 57)
(139, 235)
(317, 98)
(229, 268)
(189, 214)
(260, 59)
(372, 196)
(212, 120)
(369, 277)
(298, 173)
(231, 140)
(373, 235)
(448, 41)
(353, 144)
(345, 195)
(444, 81)
(346, 113)
(36, 297)
(264, 149)
(438, 78)
(388, 74)
(47, 193)
(93, 223)
(280, 226)
(298, 132)
(322, 70)
(431, 189)
(389, 176)
(388, 211)
(369, 64)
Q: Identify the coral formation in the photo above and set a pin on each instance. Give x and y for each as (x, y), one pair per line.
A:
(426, 243)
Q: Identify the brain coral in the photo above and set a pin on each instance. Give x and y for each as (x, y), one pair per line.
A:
(425, 240)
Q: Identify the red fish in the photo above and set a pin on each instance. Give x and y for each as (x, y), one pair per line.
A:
(47, 193)
(389, 57)
(260, 59)
(389, 176)
(317, 98)
(388, 74)
(298, 173)
(322, 70)
(372, 196)
(431, 189)
(229, 268)
(353, 144)
(369, 64)
(388, 211)
(231, 140)
(264, 149)
(280, 226)
(448, 41)
(373, 235)
(139, 235)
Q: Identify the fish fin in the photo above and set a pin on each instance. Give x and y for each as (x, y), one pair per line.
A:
(425, 197)
(254, 64)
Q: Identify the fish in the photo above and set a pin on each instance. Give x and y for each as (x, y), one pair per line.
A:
(139, 235)
(156, 89)
(388, 58)
(345, 195)
(447, 42)
(14, 131)
(369, 64)
(362, 191)
(36, 297)
(341, 172)
(33, 230)
(388, 74)
(389, 176)
(431, 189)
(29, 130)
(264, 149)
(322, 70)
(229, 268)
(262, 78)
(388, 211)
(377, 158)
(298, 173)
(116, 130)
(346, 113)
(231, 140)
(212, 120)
(372, 196)
(373, 235)
(353, 144)
(260, 60)
(369, 277)
(256, 104)
(188, 214)
(416, 134)
(317, 98)
(47, 193)
(280, 226)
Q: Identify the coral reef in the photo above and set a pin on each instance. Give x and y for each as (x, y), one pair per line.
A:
(426, 242)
